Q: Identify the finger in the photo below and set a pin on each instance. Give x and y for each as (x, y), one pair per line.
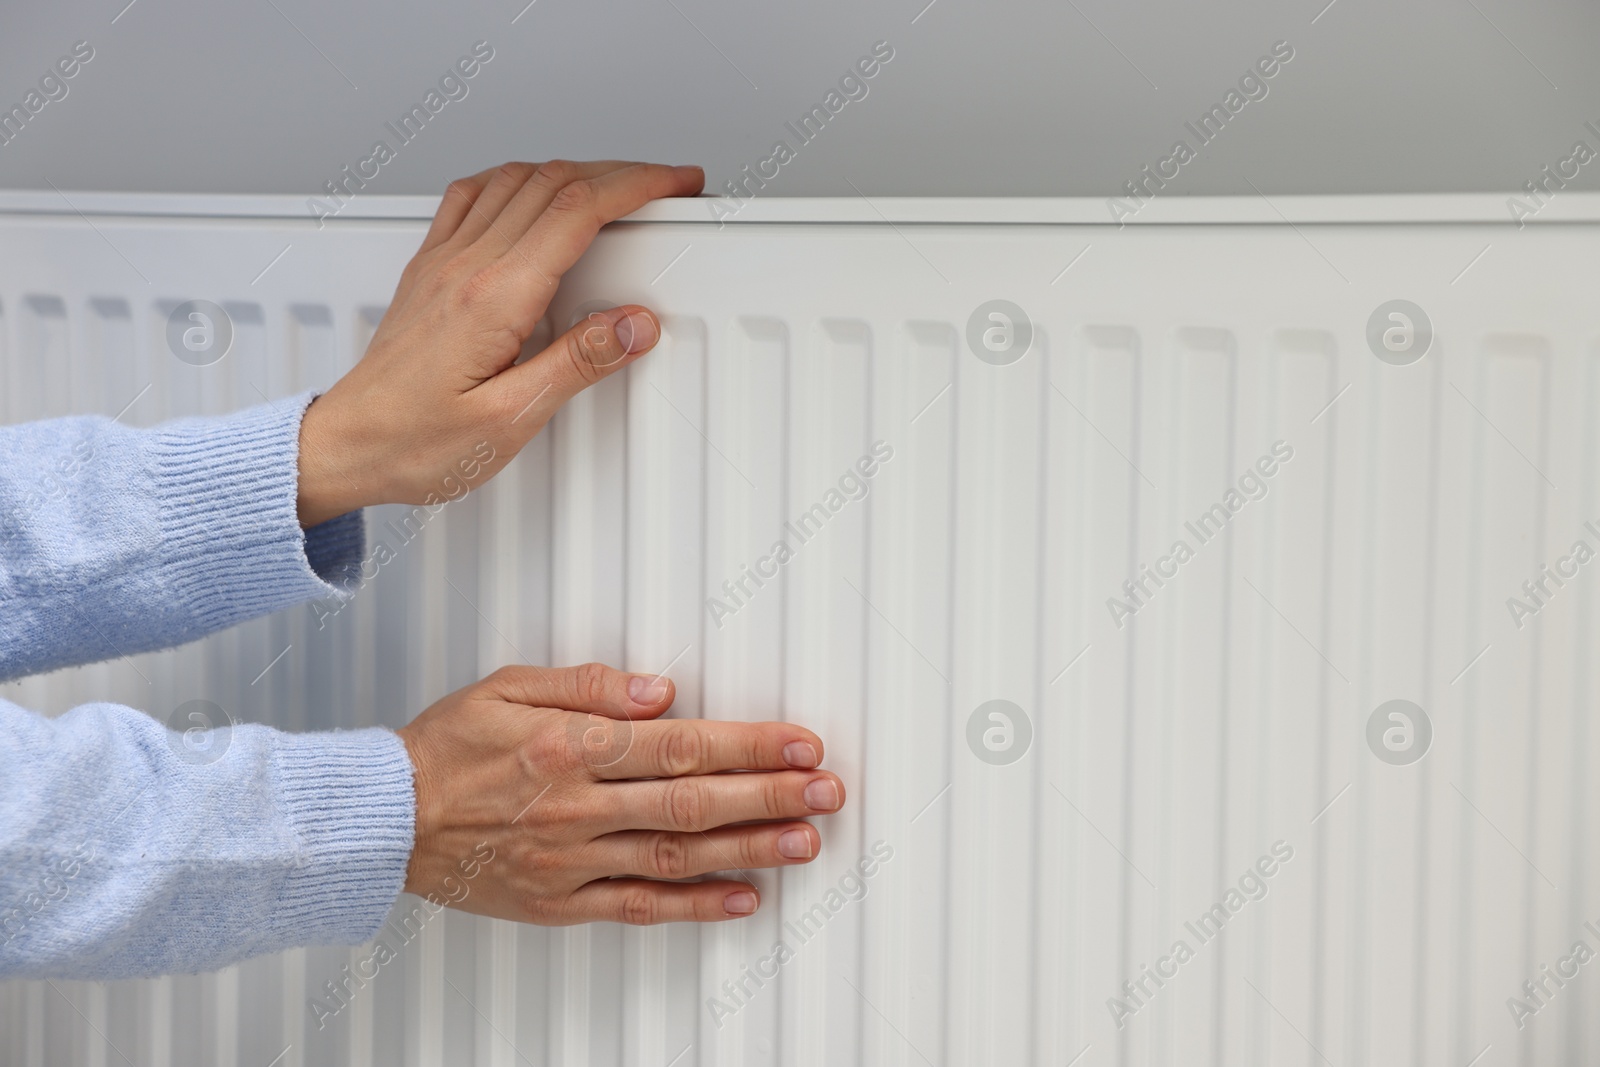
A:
(644, 903)
(589, 687)
(678, 747)
(666, 854)
(565, 230)
(704, 801)
(540, 190)
(509, 180)
(592, 349)
(458, 199)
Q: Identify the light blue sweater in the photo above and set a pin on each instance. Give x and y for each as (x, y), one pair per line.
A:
(119, 857)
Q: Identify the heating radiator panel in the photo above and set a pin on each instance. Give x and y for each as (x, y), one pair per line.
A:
(1166, 757)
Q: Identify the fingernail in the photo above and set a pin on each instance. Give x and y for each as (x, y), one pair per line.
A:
(794, 844)
(739, 903)
(800, 754)
(822, 795)
(635, 331)
(647, 689)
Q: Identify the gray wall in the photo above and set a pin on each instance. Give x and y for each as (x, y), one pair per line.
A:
(981, 97)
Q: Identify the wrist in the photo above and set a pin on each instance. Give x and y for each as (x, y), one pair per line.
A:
(417, 872)
(325, 489)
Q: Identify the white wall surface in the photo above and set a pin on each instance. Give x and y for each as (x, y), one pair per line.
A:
(999, 97)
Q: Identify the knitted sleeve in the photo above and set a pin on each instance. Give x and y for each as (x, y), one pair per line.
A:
(128, 851)
(125, 849)
(116, 540)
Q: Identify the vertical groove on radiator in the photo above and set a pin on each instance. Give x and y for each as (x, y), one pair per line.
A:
(848, 1040)
(42, 328)
(996, 519)
(747, 420)
(666, 520)
(1471, 637)
(1516, 401)
(1296, 573)
(588, 591)
(1042, 891)
(1584, 396)
(1546, 918)
(829, 417)
(1096, 802)
(1182, 727)
(1428, 689)
(1510, 393)
(907, 789)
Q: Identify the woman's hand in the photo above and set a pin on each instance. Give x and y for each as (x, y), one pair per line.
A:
(550, 796)
(438, 399)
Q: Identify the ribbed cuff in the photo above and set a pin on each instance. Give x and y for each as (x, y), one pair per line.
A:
(333, 551)
(351, 801)
(233, 544)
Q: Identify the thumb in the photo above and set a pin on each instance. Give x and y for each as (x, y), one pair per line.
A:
(592, 349)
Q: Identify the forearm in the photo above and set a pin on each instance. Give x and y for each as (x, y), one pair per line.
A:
(116, 540)
(123, 853)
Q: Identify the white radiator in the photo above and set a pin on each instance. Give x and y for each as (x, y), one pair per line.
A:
(1214, 723)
